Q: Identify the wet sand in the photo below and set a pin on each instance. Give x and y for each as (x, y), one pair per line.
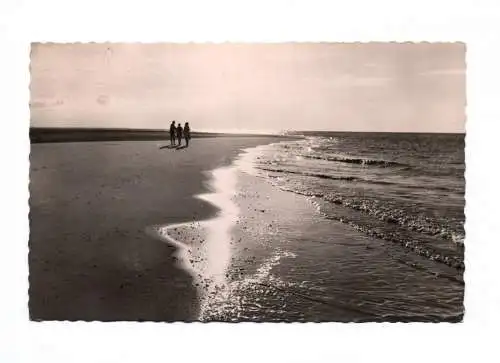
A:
(91, 205)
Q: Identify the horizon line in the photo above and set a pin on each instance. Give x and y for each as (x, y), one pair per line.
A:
(240, 131)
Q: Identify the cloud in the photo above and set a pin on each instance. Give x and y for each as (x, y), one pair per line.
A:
(443, 72)
(353, 81)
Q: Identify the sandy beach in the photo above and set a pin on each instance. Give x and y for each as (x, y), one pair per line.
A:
(91, 257)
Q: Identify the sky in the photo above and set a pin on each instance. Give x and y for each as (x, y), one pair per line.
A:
(386, 87)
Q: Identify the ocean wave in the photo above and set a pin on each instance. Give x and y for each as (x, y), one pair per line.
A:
(421, 244)
(315, 175)
(419, 223)
(350, 178)
(359, 161)
(415, 245)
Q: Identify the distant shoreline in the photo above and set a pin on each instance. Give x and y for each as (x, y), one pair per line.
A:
(50, 135)
(53, 134)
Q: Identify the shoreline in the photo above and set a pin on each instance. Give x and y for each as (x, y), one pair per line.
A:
(207, 258)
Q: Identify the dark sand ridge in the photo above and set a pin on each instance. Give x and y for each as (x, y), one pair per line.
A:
(73, 134)
(90, 256)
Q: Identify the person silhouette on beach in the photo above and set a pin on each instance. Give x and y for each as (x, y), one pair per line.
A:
(172, 133)
(187, 133)
(179, 134)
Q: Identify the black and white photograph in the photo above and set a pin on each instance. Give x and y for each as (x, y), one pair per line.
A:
(247, 182)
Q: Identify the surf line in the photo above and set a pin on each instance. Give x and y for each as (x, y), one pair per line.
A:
(208, 259)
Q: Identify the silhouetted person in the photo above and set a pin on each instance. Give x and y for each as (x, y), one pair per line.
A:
(172, 133)
(187, 133)
(179, 134)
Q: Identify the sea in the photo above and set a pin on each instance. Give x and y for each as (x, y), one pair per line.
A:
(344, 227)
(405, 188)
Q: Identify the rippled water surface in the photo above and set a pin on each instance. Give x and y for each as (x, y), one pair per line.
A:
(400, 187)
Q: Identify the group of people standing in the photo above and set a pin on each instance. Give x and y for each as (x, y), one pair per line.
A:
(179, 132)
